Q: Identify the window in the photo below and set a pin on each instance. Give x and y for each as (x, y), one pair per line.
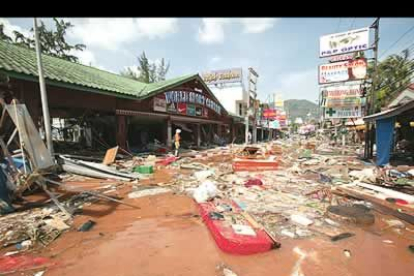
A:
(240, 109)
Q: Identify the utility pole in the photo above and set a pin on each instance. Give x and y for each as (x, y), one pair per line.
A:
(370, 108)
(252, 82)
(43, 94)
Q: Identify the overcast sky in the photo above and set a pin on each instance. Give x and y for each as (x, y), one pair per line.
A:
(284, 51)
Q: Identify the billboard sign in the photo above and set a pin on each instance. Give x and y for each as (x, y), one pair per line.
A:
(222, 76)
(343, 43)
(343, 71)
(351, 90)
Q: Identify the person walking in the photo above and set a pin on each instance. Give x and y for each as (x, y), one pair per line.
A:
(177, 138)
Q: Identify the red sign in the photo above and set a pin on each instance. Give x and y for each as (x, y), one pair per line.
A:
(182, 108)
(269, 113)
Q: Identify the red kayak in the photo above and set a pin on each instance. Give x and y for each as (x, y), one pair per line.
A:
(227, 239)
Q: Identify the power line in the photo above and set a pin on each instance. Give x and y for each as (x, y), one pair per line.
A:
(398, 40)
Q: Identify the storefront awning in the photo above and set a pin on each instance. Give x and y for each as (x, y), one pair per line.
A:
(392, 112)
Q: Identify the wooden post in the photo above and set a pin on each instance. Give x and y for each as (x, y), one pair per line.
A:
(198, 135)
(169, 136)
(121, 135)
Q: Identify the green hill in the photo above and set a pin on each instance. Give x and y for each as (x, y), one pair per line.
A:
(301, 108)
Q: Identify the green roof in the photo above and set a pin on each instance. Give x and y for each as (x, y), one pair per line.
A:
(20, 62)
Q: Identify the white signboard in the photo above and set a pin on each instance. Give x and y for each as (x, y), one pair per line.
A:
(339, 112)
(343, 71)
(222, 76)
(160, 104)
(342, 91)
(342, 43)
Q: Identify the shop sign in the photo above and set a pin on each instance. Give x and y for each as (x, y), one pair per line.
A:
(199, 111)
(269, 113)
(339, 113)
(172, 107)
(274, 124)
(160, 104)
(182, 108)
(191, 111)
(345, 102)
(349, 90)
(341, 58)
(342, 43)
(192, 97)
(343, 71)
(222, 76)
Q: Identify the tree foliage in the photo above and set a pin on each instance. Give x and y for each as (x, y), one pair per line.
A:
(148, 72)
(52, 42)
(394, 74)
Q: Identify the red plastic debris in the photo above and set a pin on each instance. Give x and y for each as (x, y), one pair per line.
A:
(253, 182)
(19, 263)
(167, 161)
(230, 242)
(255, 165)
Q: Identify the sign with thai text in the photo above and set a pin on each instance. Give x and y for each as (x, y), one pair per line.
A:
(343, 71)
(342, 43)
(342, 91)
(192, 97)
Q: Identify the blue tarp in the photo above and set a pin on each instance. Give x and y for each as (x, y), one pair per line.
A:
(384, 136)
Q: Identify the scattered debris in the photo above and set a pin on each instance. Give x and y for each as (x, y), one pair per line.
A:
(87, 226)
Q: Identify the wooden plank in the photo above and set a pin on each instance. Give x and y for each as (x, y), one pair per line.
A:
(402, 212)
(110, 156)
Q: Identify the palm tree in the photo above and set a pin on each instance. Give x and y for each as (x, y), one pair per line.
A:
(394, 74)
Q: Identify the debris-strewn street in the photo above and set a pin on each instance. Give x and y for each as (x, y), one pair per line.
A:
(319, 209)
(253, 155)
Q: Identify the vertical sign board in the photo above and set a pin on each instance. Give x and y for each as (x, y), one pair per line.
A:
(345, 42)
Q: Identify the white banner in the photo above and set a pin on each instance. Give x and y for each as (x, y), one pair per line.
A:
(342, 43)
(343, 71)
